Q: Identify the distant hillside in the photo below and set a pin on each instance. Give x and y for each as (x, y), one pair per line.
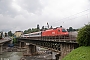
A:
(81, 53)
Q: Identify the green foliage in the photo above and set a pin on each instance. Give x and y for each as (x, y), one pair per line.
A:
(14, 40)
(26, 31)
(83, 37)
(31, 30)
(51, 27)
(70, 29)
(5, 34)
(81, 53)
(35, 30)
(10, 33)
(38, 26)
(42, 28)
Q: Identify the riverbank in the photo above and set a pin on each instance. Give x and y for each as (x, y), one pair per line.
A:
(81, 53)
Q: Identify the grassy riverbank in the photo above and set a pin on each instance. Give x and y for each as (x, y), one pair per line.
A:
(81, 53)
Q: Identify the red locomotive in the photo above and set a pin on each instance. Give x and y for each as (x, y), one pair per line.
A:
(55, 32)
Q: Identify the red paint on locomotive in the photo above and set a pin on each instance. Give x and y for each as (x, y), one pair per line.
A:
(55, 32)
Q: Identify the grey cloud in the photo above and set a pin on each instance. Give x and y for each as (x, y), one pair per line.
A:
(27, 17)
(5, 8)
(31, 5)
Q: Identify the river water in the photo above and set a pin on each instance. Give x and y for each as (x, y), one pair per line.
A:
(18, 55)
(11, 56)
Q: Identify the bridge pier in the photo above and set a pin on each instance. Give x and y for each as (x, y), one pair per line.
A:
(54, 55)
(22, 44)
(1, 49)
(66, 48)
(57, 56)
(31, 49)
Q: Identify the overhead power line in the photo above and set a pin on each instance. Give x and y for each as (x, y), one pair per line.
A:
(73, 15)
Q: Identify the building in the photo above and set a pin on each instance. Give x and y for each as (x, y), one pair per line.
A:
(18, 33)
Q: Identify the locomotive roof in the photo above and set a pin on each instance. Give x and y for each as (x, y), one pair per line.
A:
(55, 28)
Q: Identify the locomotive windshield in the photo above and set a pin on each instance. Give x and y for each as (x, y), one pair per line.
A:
(63, 30)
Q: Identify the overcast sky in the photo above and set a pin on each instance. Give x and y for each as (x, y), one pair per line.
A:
(23, 14)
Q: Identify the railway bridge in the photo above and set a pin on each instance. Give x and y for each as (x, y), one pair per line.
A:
(62, 46)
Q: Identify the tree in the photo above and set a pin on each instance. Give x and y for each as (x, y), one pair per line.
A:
(34, 30)
(46, 29)
(5, 34)
(25, 32)
(10, 33)
(51, 27)
(15, 40)
(42, 28)
(70, 29)
(47, 25)
(83, 37)
(29, 30)
(38, 26)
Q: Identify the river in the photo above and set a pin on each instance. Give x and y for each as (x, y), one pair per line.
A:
(11, 56)
(18, 55)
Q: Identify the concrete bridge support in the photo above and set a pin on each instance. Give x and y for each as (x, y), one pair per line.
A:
(22, 44)
(54, 55)
(1, 48)
(66, 48)
(31, 49)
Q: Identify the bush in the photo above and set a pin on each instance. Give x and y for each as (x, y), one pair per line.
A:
(83, 37)
(14, 40)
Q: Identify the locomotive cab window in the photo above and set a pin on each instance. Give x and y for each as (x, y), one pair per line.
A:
(63, 30)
